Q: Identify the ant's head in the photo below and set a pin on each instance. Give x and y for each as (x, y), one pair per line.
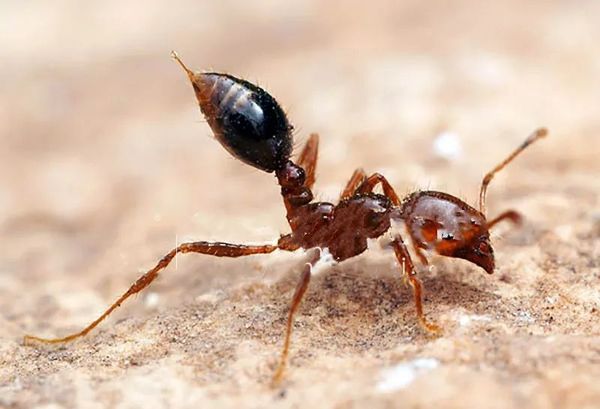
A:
(244, 118)
(471, 242)
(444, 223)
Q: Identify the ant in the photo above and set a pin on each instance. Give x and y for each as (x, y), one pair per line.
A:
(252, 127)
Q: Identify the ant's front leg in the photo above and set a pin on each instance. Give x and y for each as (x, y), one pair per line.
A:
(308, 159)
(408, 269)
(214, 249)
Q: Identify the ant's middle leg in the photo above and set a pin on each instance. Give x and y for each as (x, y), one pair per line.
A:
(369, 184)
(408, 270)
(214, 249)
(357, 178)
(308, 159)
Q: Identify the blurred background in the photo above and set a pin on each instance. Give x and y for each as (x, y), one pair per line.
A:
(105, 161)
(103, 146)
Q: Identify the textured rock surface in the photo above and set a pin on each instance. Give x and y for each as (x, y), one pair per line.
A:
(105, 165)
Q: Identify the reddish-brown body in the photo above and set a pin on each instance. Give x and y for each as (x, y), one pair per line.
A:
(346, 226)
(250, 124)
(343, 228)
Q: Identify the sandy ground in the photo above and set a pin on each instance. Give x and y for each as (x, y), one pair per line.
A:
(105, 164)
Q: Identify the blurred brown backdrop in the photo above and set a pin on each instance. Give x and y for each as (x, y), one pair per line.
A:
(105, 161)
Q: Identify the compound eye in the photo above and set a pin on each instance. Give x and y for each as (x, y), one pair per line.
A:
(447, 236)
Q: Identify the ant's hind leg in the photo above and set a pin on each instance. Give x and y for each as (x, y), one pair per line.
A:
(301, 288)
(308, 159)
(511, 215)
(357, 178)
(409, 270)
(202, 247)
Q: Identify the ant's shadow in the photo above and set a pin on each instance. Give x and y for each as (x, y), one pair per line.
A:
(374, 293)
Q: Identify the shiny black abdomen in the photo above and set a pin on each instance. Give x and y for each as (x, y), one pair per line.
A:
(248, 121)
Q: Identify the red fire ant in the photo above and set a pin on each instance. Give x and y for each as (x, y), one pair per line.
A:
(251, 125)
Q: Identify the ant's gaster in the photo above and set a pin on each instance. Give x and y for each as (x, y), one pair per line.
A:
(251, 125)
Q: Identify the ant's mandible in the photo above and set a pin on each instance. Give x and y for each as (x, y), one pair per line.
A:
(251, 126)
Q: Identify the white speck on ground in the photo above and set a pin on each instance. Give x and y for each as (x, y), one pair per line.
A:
(524, 317)
(466, 320)
(402, 375)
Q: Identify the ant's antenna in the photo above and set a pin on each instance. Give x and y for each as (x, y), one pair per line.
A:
(537, 134)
